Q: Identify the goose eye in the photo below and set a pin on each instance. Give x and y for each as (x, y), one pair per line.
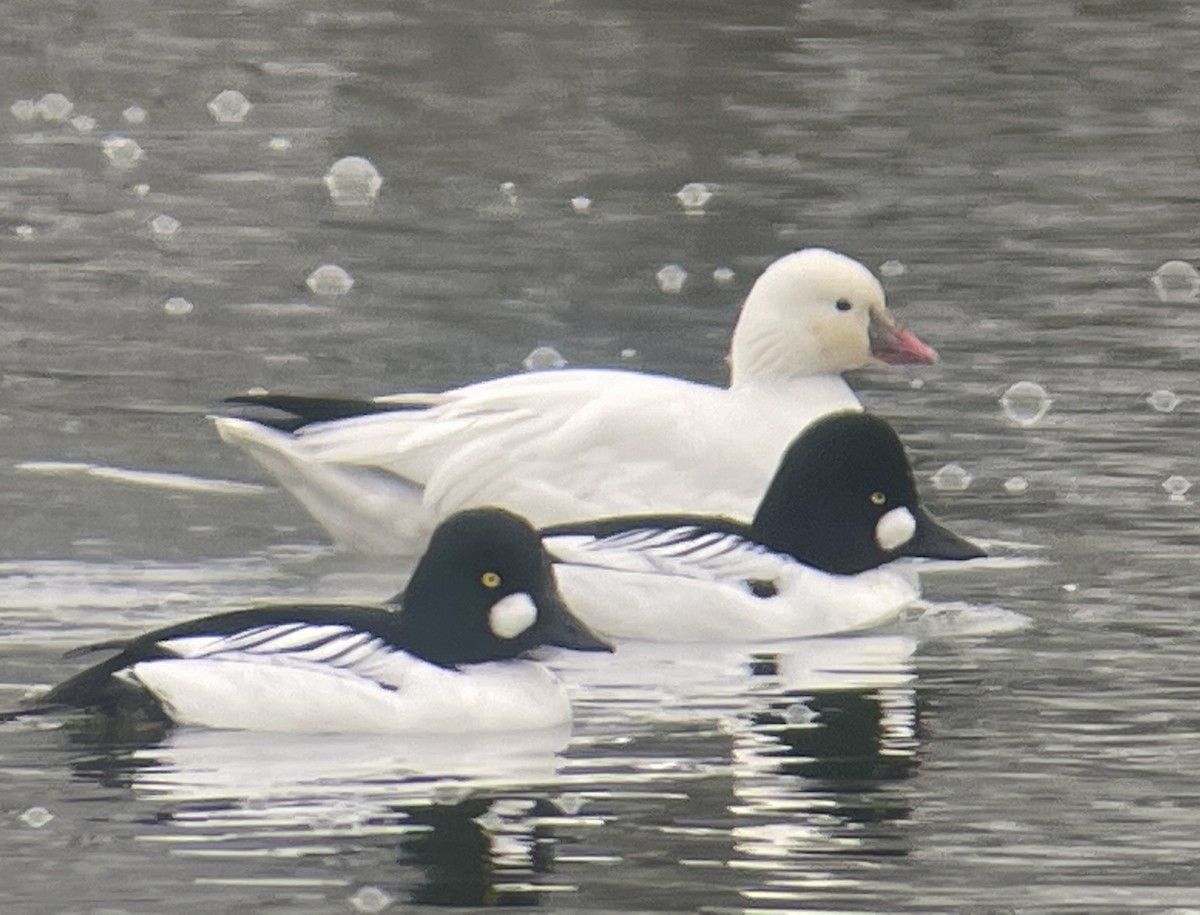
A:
(843, 305)
(490, 579)
(878, 498)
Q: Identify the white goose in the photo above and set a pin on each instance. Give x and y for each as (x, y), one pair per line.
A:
(579, 443)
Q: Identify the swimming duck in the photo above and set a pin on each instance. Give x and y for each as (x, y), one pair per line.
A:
(448, 655)
(817, 558)
(582, 443)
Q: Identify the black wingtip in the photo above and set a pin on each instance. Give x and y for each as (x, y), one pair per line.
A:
(290, 412)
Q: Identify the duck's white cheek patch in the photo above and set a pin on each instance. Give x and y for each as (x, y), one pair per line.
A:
(512, 615)
(895, 529)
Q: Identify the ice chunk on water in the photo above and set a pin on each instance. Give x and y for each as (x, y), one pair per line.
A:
(581, 204)
(353, 181)
(544, 357)
(36, 817)
(164, 226)
(694, 197)
(1176, 487)
(134, 114)
(177, 306)
(951, 478)
(229, 107)
(723, 276)
(122, 152)
(83, 123)
(25, 231)
(1025, 402)
(1016, 485)
(1164, 401)
(279, 144)
(330, 279)
(1176, 281)
(892, 268)
(55, 107)
(671, 278)
(24, 109)
(371, 899)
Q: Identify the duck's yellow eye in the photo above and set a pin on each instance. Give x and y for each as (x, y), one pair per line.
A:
(490, 579)
(878, 498)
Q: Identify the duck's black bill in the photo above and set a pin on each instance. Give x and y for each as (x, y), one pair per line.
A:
(933, 541)
(561, 629)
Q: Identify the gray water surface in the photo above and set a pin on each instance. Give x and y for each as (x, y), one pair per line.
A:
(1026, 743)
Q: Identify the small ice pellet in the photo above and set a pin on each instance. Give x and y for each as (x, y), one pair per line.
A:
(164, 226)
(229, 107)
(1164, 401)
(330, 279)
(543, 357)
(55, 107)
(1025, 402)
(353, 181)
(36, 817)
(122, 152)
(1016, 485)
(279, 144)
(694, 196)
(1176, 281)
(177, 306)
(83, 123)
(581, 204)
(892, 268)
(134, 114)
(951, 478)
(371, 899)
(723, 276)
(671, 278)
(1176, 487)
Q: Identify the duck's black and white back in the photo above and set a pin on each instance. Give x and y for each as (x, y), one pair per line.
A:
(452, 658)
(816, 559)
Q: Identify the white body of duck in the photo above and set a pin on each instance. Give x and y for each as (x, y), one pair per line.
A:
(579, 443)
(818, 558)
(448, 656)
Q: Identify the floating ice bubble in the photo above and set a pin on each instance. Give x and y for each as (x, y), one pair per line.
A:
(371, 899)
(1164, 401)
(951, 478)
(1070, 588)
(544, 357)
(916, 383)
(1025, 402)
(229, 107)
(164, 226)
(892, 268)
(581, 204)
(83, 123)
(25, 231)
(177, 306)
(55, 107)
(509, 190)
(279, 144)
(723, 276)
(1176, 487)
(629, 353)
(353, 181)
(799, 713)
(329, 279)
(694, 197)
(134, 114)
(671, 278)
(1176, 281)
(122, 152)
(569, 803)
(24, 109)
(1016, 485)
(36, 817)
(140, 190)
